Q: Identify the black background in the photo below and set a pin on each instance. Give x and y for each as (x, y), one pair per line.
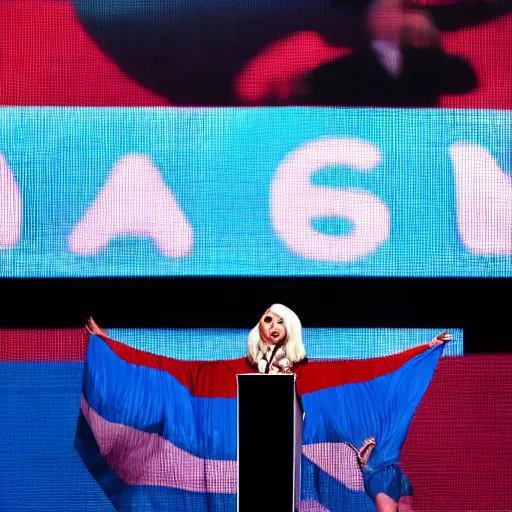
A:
(482, 307)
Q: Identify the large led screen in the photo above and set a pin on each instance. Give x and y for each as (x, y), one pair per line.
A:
(243, 138)
(445, 53)
(255, 192)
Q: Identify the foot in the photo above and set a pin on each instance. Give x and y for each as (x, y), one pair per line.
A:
(365, 451)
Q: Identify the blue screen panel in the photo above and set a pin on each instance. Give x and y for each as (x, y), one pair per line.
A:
(255, 192)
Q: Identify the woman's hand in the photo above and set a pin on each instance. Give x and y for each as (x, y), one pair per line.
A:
(95, 329)
(444, 337)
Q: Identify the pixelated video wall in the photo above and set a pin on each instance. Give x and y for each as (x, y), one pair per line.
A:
(255, 192)
(269, 138)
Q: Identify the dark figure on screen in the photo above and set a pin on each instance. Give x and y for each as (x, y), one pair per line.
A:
(402, 64)
(287, 52)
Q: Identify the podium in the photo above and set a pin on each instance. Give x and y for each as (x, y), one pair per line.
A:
(269, 443)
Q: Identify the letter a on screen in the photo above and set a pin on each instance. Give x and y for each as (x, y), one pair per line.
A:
(134, 201)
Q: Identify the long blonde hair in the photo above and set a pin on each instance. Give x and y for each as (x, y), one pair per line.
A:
(293, 347)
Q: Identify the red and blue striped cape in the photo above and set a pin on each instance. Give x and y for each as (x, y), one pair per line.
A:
(160, 434)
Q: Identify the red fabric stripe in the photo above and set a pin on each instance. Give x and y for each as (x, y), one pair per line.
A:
(202, 378)
(314, 376)
(43, 345)
(218, 378)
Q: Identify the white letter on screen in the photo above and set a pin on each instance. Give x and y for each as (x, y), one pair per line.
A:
(295, 202)
(134, 201)
(10, 207)
(484, 201)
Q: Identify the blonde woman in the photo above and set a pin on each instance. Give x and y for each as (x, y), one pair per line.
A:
(142, 411)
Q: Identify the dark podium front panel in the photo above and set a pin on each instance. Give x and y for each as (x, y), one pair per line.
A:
(269, 443)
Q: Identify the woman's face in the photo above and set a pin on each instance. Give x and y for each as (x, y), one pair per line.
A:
(272, 328)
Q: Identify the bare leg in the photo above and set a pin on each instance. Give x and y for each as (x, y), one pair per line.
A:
(385, 504)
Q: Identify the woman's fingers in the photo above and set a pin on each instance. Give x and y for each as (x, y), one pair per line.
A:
(445, 336)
